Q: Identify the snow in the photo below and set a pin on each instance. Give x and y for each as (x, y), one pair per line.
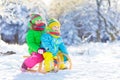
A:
(91, 61)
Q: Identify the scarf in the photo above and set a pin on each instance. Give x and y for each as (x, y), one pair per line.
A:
(54, 34)
(39, 27)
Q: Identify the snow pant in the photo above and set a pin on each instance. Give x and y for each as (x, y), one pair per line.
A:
(61, 60)
(32, 60)
(49, 61)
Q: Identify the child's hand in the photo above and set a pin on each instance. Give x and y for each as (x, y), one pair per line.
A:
(41, 51)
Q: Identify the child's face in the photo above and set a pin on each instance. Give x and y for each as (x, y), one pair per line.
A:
(39, 25)
(38, 21)
(56, 28)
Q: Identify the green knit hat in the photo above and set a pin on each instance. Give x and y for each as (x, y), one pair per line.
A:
(34, 18)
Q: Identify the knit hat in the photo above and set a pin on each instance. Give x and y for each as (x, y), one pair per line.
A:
(53, 22)
(35, 17)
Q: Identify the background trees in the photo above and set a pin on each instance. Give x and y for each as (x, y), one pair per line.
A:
(82, 21)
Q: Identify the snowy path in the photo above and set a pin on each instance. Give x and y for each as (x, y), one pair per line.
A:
(83, 69)
(97, 70)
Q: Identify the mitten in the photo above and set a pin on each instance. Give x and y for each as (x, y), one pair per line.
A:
(41, 50)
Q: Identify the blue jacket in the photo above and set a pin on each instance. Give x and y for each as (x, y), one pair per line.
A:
(52, 44)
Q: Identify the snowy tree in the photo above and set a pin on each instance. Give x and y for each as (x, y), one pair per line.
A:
(91, 22)
(69, 31)
(107, 16)
(58, 7)
(81, 21)
(15, 17)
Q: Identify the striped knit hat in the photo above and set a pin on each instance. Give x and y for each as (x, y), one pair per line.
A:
(53, 22)
(34, 18)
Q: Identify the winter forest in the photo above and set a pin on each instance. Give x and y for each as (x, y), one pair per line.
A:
(82, 20)
(90, 30)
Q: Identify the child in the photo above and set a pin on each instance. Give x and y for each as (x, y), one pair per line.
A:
(54, 46)
(37, 28)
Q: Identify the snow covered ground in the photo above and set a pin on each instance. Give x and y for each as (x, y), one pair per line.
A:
(91, 61)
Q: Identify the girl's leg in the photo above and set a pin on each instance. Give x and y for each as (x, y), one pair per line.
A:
(48, 61)
(61, 61)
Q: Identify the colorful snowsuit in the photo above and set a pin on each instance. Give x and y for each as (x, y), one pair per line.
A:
(34, 43)
(37, 28)
(53, 46)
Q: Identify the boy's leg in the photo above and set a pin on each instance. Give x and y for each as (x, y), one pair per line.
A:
(61, 61)
(48, 61)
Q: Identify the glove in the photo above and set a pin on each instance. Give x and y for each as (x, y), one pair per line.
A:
(41, 50)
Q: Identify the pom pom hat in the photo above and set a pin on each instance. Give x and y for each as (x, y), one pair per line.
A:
(40, 25)
(35, 17)
(53, 22)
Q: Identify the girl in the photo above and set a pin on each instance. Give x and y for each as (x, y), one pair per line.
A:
(37, 28)
(56, 51)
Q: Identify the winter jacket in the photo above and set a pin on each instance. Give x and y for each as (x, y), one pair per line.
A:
(33, 40)
(52, 44)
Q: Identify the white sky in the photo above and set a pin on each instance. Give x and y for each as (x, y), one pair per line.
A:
(47, 2)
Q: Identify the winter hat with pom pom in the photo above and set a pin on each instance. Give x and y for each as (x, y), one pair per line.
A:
(53, 22)
(34, 17)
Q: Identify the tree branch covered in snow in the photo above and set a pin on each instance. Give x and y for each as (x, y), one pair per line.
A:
(81, 20)
(15, 17)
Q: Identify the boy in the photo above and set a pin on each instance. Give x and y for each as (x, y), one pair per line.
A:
(56, 52)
